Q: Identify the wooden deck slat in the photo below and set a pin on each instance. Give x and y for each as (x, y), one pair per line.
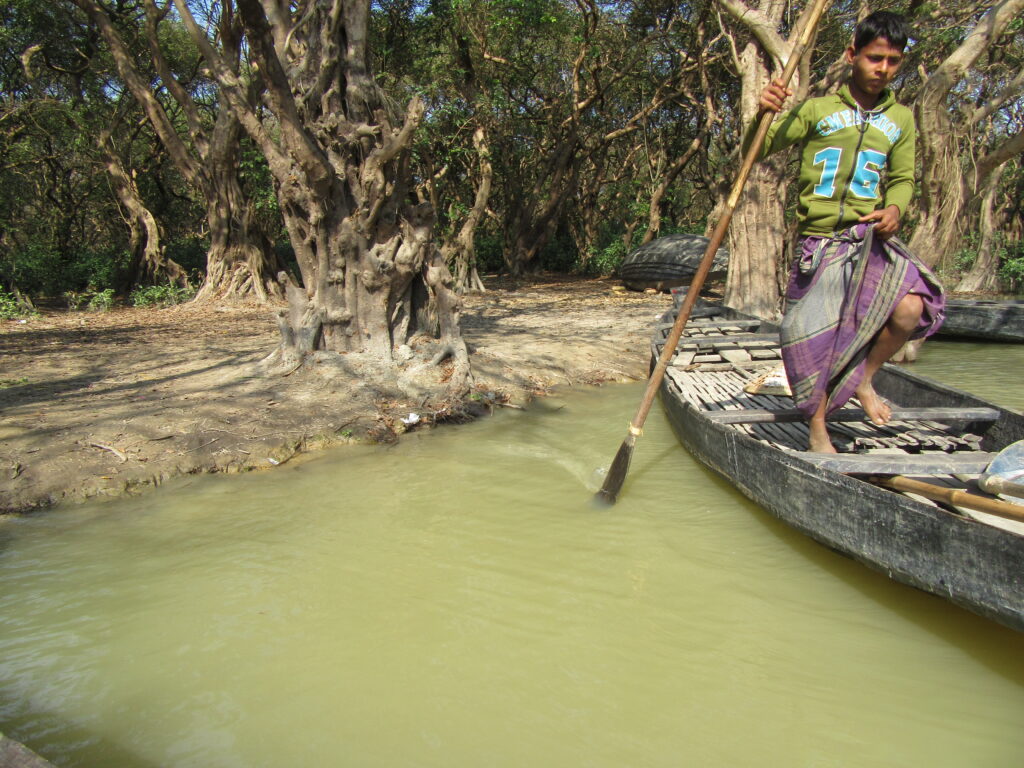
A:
(964, 462)
(724, 324)
(762, 416)
(727, 338)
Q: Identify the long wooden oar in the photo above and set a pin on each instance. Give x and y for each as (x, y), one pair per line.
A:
(620, 464)
(953, 496)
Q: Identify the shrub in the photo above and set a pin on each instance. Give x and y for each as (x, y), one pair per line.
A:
(75, 300)
(11, 308)
(1012, 268)
(1009, 255)
(606, 261)
(489, 252)
(160, 296)
(101, 301)
(91, 299)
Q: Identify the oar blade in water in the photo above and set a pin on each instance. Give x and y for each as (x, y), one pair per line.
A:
(616, 473)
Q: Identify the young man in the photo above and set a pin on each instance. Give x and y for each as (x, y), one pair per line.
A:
(856, 295)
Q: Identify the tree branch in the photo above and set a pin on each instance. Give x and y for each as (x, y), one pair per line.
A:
(234, 90)
(951, 71)
(761, 27)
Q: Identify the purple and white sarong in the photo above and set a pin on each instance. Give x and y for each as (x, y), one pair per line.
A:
(841, 293)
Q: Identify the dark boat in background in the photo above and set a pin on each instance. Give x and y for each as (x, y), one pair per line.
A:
(938, 435)
(984, 319)
(669, 262)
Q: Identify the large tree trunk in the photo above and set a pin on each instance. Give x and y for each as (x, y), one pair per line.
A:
(757, 235)
(150, 264)
(944, 192)
(357, 289)
(340, 154)
(757, 239)
(241, 264)
(757, 231)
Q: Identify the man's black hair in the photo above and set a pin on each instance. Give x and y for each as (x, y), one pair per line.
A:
(891, 26)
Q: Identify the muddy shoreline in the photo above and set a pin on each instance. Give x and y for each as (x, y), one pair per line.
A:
(112, 403)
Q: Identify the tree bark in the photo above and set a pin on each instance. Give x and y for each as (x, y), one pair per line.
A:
(532, 222)
(983, 276)
(667, 179)
(461, 250)
(240, 264)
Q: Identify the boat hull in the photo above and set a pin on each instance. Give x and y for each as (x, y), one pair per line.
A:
(974, 565)
(985, 320)
(669, 262)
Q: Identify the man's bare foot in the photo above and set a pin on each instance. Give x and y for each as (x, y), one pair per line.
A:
(877, 409)
(819, 441)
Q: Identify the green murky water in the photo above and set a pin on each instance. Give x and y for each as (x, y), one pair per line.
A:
(455, 601)
(992, 371)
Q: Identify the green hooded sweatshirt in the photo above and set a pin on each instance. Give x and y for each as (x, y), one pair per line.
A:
(852, 162)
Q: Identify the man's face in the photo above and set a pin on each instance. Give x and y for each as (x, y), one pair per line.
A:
(874, 65)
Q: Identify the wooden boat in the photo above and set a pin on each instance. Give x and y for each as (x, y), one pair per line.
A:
(984, 319)
(669, 262)
(938, 435)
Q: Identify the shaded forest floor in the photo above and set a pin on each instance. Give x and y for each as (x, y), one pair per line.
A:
(106, 403)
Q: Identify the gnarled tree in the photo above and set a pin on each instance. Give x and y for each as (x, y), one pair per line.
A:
(962, 126)
(240, 262)
(339, 152)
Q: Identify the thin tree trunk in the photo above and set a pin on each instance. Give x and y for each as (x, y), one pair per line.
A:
(461, 251)
(983, 276)
(667, 179)
(150, 264)
(534, 220)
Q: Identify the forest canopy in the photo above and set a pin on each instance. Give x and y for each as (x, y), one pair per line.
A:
(240, 150)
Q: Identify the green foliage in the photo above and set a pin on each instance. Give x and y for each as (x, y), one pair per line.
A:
(964, 258)
(489, 248)
(39, 269)
(11, 308)
(160, 296)
(1011, 265)
(189, 252)
(101, 301)
(606, 261)
(92, 299)
(1009, 256)
(559, 254)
